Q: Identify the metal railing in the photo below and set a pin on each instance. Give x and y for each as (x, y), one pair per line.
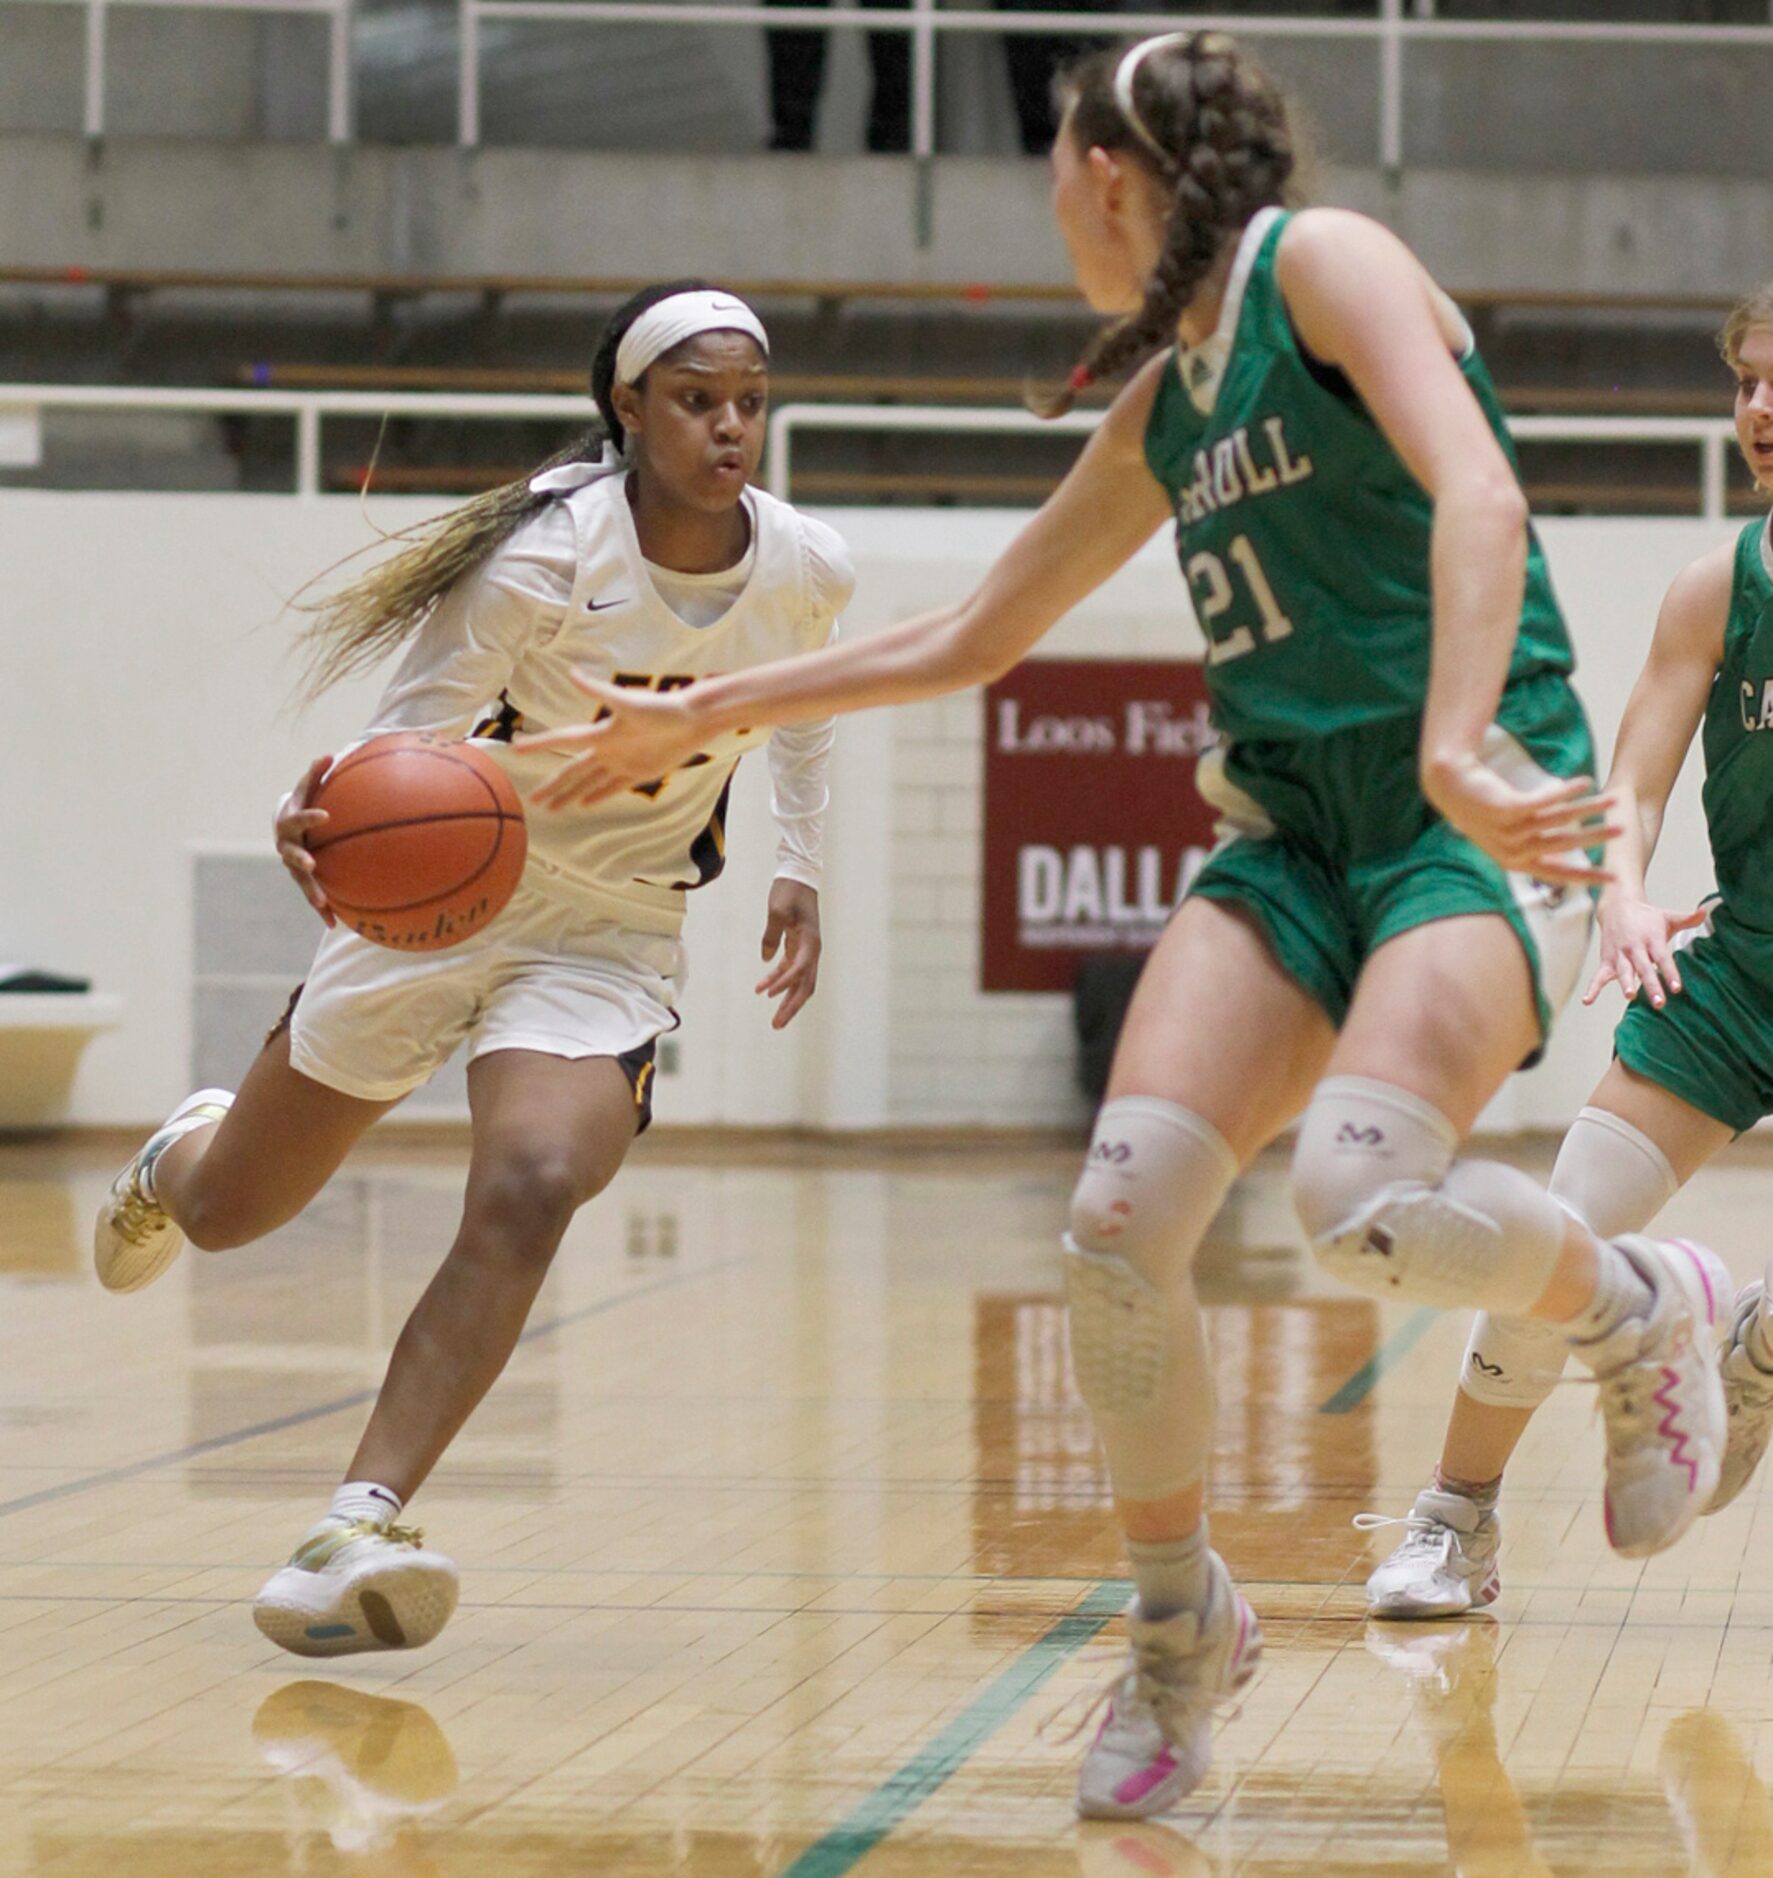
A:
(1391, 31)
(1395, 26)
(338, 56)
(306, 409)
(1712, 437)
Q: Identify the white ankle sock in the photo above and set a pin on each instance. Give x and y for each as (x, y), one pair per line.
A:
(1619, 1293)
(1171, 1576)
(364, 1499)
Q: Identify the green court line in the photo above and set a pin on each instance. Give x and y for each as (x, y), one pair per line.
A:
(901, 1793)
(1359, 1386)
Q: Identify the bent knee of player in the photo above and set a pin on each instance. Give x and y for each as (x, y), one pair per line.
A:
(1361, 1139)
(223, 1220)
(520, 1206)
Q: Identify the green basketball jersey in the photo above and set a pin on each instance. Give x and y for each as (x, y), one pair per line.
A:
(1303, 537)
(1738, 740)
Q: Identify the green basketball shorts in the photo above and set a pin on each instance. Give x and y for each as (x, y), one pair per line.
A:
(1711, 1044)
(1325, 909)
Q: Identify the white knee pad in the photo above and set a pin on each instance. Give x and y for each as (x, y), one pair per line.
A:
(1386, 1213)
(1612, 1176)
(1155, 1176)
(1614, 1179)
(1359, 1137)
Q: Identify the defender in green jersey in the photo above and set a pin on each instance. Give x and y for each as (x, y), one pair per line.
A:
(1305, 542)
(1384, 939)
(1695, 1047)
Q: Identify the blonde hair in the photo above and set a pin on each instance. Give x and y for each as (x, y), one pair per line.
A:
(356, 628)
(1752, 310)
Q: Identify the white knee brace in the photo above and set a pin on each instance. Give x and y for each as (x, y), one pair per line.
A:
(1389, 1212)
(1612, 1176)
(1513, 1362)
(1614, 1179)
(1155, 1176)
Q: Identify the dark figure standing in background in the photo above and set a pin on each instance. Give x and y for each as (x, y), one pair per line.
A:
(797, 74)
(1033, 59)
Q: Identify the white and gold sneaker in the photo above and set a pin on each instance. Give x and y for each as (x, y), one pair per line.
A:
(354, 1585)
(134, 1240)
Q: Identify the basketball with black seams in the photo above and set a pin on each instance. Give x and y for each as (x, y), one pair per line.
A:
(424, 841)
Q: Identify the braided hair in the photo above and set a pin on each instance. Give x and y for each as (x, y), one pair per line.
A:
(359, 626)
(1213, 127)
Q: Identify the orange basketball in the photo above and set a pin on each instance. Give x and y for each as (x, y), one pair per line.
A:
(425, 841)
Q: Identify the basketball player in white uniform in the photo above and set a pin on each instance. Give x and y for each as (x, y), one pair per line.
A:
(642, 555)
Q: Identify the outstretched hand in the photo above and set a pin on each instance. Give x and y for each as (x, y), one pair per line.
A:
(636, 737)
(296, 817)
(793, 930)
(1637, 953)
(1541, 832)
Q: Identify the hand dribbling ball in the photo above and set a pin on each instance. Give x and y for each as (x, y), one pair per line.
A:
(424, 841)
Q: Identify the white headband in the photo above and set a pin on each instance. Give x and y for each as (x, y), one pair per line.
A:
(1124, 74)
(668, 323)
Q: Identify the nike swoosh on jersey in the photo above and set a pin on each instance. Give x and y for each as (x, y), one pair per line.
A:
(603, 606)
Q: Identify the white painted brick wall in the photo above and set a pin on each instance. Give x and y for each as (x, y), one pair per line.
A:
(960, 1055)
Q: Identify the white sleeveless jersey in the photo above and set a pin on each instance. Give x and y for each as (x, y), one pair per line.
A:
(571, 588)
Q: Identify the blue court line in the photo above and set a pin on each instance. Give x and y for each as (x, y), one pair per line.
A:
(901, 1793)
(358, 1398)
(1401, 1342)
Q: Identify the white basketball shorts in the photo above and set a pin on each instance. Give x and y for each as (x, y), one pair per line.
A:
(375, 1024)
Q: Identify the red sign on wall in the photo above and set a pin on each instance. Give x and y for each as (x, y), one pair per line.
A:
(1093, 827)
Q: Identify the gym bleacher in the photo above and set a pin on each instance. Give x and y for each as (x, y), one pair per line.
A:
(954, 293)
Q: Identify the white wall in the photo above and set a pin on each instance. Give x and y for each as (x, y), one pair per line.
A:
(148, 673)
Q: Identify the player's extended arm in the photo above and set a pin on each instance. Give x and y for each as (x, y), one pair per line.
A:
(1104, 511)
(1360, 301)
(1666, 705)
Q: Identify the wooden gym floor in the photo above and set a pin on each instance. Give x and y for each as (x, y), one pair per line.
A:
(784, 1538)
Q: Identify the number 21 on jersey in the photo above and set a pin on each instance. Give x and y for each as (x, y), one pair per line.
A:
(1214, 595)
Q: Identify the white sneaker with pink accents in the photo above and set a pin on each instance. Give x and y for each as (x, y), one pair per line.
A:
(1662, 1397)
(1156, 1743)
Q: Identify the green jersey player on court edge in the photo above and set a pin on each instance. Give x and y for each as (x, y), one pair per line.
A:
(1694, 1048)
(1402, 905)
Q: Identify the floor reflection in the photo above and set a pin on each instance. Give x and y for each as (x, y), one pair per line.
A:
(1041, 1500)
(1452, 1674)
(364, 1771)
(1139, 1849)
(1719, 1802)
